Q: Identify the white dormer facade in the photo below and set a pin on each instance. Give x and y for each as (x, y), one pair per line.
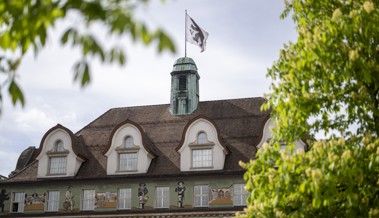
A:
(268, 134)
(56, 157)
(126, 153)
(201, 149)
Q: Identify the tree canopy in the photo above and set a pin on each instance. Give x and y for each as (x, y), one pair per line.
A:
(24, 26)
(325, 82)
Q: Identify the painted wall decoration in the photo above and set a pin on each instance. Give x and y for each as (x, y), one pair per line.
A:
(106, 200)
(142, 195)
(3, 197)
(68, 204)
(35, 201)
(180, 189)
(221, 196)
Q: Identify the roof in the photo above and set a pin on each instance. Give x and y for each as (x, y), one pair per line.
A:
(184, 64)
(240, 124)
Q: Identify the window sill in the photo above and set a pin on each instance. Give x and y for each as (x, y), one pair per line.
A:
(57, 175)
(201, 168)
(126, 171)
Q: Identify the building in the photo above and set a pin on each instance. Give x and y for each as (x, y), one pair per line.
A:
(171, 160)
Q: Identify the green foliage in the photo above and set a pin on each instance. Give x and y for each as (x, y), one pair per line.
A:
(331, 72)
(24, 26)
(326, 81)
(333, 179)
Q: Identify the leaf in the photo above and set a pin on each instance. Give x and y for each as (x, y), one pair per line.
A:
(16, 93)
(69, 32)
(145, 35)
(86, 76)
(164, 42)
(42, 35)
(82, 73)
(5, 40)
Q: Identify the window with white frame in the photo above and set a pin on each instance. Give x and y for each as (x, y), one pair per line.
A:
(58, 146)
(201, 196)
(127, 161)
(201, 158)
(18, 202)
(88, 200)
(52, 200)
(162, 197)
(202, 138)
(240, 195)
(124, 198)
(128, 142)
(57, 165)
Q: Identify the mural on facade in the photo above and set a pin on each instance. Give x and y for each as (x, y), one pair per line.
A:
(106, 200)
(3, 197)
(35, 201)
(68, 204)
(180, 189)
(142, 197)
(221, 196)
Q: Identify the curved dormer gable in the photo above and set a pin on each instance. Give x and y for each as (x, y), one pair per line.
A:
(201, 148)
(268, 134)
(59, 154)
(128, 151)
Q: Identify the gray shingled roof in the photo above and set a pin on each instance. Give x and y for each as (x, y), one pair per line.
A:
(239, 121)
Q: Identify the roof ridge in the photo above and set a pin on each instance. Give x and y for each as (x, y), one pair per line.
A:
(217, 100)
(231, 99)
(139, 106)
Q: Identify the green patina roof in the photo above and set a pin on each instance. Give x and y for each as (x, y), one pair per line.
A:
(184, 64)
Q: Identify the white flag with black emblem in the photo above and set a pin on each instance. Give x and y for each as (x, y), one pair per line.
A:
(194, 34)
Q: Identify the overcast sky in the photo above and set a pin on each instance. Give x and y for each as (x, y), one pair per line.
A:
(245, 37)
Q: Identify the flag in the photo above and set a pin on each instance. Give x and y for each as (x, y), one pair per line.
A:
(194, 34)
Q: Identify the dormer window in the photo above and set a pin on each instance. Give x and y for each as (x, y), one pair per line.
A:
(202, 152)
(57, 159)
(128, 161)
(201, 148)
(202, 138)
(57, 165)
(128, 142)
(59, 146)
(202, 158)
(268, 137)
(127, 153)
(58, 155)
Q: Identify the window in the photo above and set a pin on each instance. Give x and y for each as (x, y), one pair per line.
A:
(57, 165)
(201, 158)
(88, 202)
(162, 197)
(18, 202)
(202, 138)
(201, 196)
(52, 201)
(125, 198)
(59, 146)
(182, 83)
(128, 162)
(240, 195)
(128, 142)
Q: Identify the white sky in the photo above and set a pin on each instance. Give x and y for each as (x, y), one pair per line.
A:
(245, 37)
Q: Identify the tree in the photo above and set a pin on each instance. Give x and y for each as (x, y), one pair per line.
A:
(327, 82)
(24, 26)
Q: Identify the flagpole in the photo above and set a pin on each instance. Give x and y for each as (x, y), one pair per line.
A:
(185, 34)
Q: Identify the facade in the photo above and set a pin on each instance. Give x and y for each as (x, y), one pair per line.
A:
(171, 160)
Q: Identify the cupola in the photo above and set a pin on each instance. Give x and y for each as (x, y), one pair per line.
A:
(184, 87)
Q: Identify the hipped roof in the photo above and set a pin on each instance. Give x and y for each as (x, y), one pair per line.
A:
(239, 122)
